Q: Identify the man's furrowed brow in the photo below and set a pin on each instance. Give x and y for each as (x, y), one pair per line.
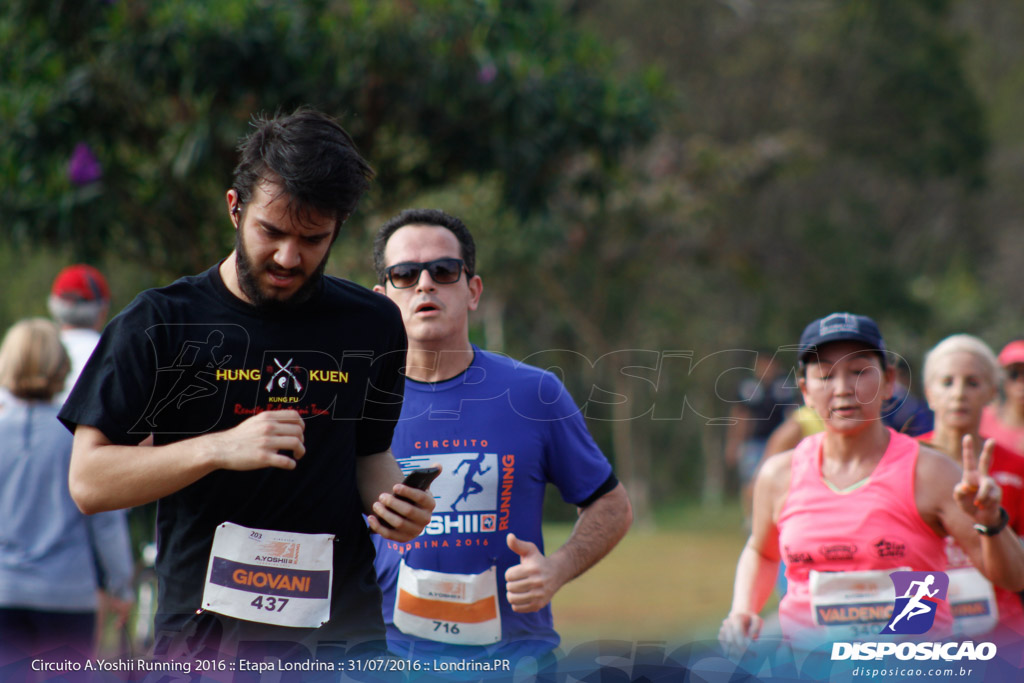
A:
(272, 227)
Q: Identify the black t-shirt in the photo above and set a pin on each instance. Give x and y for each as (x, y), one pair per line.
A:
(767, 401)
(191, 358)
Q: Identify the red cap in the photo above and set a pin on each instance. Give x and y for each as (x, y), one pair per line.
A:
(80, 283)
(1012, 353)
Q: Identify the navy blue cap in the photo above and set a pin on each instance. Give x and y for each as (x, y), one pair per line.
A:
(841, 327)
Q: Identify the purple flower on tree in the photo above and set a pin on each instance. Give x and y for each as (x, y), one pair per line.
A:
(487, 73)
(84, 167)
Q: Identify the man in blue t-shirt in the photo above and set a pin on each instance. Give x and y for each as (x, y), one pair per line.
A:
(477, 583)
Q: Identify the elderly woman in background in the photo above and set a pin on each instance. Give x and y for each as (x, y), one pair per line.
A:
(50, 553)
(961, 377)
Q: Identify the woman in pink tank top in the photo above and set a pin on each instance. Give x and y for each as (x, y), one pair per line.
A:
(854, 503)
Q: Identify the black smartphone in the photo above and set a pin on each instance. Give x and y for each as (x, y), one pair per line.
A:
(418, 479)
(422, 477)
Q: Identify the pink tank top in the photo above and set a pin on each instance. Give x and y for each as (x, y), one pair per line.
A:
(876, 526)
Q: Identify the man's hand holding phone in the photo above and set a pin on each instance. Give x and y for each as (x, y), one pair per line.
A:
(402, 515)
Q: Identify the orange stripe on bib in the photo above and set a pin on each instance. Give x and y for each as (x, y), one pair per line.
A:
(442, 610)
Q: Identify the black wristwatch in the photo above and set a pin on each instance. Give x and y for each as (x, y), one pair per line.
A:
(1004, 519)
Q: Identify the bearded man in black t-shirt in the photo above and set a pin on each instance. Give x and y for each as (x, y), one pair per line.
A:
(256, 402)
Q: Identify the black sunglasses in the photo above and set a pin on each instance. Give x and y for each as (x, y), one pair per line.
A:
(443, 271)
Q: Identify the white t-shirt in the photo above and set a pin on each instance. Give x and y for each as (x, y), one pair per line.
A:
(79, 343)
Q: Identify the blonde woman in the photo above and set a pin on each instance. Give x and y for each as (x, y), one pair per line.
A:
(961, 377)
(49, 550)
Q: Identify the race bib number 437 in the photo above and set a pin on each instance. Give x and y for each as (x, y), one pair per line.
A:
(274, 577)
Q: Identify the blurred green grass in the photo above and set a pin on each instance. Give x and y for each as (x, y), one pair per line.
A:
(669, 581)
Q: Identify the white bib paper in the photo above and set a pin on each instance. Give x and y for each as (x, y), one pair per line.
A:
(972, 601)
(273, 577)
(459, 609)
(852, 605)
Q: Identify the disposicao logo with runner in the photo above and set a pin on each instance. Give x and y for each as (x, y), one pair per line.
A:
(917, 600)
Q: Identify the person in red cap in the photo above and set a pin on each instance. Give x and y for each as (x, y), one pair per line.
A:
(79, 302)
(1004, 421)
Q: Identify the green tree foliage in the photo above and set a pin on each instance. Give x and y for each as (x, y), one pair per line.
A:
(898, 89)
(161, 92)
(642, 220)
(825, 156)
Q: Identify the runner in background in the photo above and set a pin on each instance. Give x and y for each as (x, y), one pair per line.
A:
(1004, 421)
(79, 301)
(800, 424)
(50, 553)
(961, 376)
(478, 583)
(905, 412)
(762, 403)
(854, 502)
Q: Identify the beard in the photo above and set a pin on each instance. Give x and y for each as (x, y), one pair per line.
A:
(249, 280)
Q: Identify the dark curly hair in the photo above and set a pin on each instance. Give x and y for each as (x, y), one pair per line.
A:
(312, 160)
